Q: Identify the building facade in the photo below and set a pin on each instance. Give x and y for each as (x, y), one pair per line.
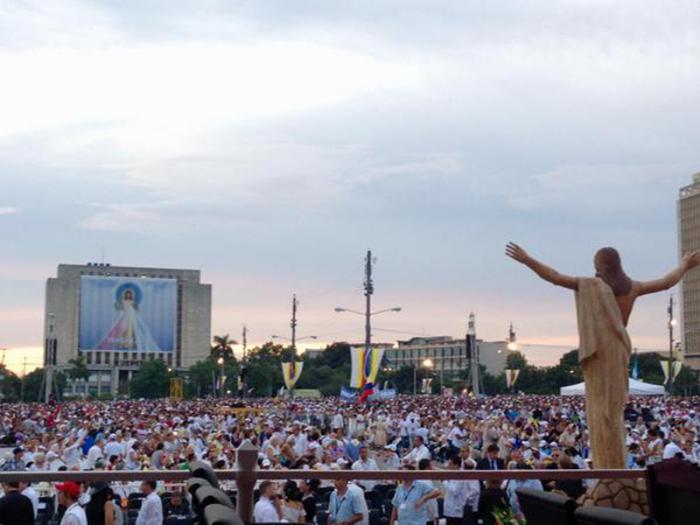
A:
(689, 241)
(449, 356)
(115, 317)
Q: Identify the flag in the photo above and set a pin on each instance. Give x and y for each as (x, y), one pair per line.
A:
(367, 391)
(347, 394)
(511, 376)
(635, 367)
(664, 367)
(291, 372)
(365, 365)
(677, 365)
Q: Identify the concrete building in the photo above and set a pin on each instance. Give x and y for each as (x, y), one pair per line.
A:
(115, 317)
(449, 356)
(688, 241)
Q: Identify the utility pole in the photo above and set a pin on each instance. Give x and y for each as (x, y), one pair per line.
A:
(369, 290)
(473, 353)
(294, 327)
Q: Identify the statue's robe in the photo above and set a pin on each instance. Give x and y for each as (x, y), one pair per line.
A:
(604, 354)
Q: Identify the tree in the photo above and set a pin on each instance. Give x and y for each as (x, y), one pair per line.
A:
(79, 369)
(222, 346)
(33, 382)
(152, 380)
(201, 378)
(10, 385)
(516, 360)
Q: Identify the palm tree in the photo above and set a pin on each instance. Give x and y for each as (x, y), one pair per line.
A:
(79, 369)
(222, 346)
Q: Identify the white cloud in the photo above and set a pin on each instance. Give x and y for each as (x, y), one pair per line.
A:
(8, 210)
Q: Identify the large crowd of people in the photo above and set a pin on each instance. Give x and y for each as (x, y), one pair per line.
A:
(423, 432)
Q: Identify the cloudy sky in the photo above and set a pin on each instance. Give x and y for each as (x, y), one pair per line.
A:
(271, 143)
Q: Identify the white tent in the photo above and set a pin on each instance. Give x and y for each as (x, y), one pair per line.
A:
(637, 388)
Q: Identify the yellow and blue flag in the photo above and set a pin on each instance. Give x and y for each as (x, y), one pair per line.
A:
(291, 372)
(365, 365)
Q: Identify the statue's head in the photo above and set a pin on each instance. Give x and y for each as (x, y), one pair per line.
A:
(608, 267)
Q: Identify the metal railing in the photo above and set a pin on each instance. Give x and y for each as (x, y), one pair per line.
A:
(247, 475)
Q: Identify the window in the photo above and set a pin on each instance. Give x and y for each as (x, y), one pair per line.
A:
(116, 359)
(107, 354)
(98, 358)
(88, 358)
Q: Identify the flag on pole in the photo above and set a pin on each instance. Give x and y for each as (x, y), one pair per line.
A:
(365, 365)
(511, 376)
(664, 367)
(347, 394)
(291, 372)
(677, 365)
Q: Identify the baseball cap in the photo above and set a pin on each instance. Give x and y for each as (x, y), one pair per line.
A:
(70, 487)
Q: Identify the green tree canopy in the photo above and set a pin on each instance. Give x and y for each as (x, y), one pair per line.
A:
(152, 380)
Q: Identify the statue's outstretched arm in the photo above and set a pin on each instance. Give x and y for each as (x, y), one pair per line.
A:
(689, 261)
(548, 274)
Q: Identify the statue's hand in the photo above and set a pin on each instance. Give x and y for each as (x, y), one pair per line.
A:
(516, 252)
(691, 260)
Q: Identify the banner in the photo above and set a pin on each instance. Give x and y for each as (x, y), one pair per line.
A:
(365, 365)
(511, 376)
(127, 314)
(664, 367)
(677, 365)
(291, 372)
(427, 385)
(384, 395)
(347, 394)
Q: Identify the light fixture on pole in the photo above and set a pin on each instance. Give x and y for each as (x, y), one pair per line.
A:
(368, 313)
(220, 362)
(426, 363)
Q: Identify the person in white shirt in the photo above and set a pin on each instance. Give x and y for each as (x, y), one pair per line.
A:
(68, 494)
(113, 447)
(365, 463)
(151, 512)
(672, 449)
(28, 490)
(72, 453)
(455, 494)
(300, 440)
(419, 451)
(94, 454)
(268, 509)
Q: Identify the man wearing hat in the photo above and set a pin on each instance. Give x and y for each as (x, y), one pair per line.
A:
(68, 494)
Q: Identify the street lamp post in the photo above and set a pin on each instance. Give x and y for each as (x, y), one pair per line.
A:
(671, 324)
(427, 363)
(220, 362)
(368, 313)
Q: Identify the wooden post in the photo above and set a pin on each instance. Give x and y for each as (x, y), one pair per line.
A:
(247, 458)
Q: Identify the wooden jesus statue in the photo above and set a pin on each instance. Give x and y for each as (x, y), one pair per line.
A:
(604, 304)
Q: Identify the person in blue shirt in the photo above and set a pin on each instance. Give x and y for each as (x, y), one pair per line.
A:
(345, 506)
(409, 506)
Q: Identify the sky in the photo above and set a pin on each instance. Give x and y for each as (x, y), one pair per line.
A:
(272, 143)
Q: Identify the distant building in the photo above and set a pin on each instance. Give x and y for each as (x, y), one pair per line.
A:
(689, 240)
(448, 355)
(115, 317)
